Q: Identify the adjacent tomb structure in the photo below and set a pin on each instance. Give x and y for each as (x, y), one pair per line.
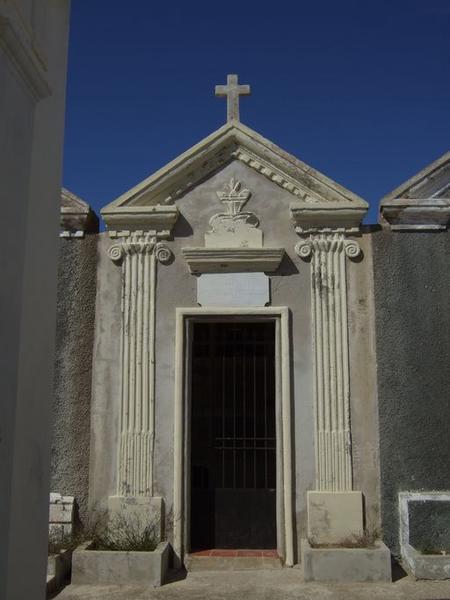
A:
(251, 353)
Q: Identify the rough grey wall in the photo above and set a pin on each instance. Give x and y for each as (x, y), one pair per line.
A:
(73, 366)
(412, 291)
(429, 525)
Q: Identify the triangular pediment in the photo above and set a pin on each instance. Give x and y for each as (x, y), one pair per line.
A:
(431, 182)
(70, 203)
(233, 141)
(422, 202)
(76, 216)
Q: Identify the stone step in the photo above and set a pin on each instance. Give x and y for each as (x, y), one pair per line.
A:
(232, 560)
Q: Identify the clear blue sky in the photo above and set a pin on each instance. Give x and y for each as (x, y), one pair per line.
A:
(358, 90)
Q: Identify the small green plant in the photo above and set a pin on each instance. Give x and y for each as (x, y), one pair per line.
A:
(124, 533)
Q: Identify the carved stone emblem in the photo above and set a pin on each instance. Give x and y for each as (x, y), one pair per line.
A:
(234, 228)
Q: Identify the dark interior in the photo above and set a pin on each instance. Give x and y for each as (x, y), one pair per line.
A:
(233, 454)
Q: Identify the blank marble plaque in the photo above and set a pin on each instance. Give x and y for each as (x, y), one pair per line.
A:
(233, 289)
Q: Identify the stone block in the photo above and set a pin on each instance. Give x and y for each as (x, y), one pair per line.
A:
(346, 564)
(61, 513)
(98, 567)
(335, 517)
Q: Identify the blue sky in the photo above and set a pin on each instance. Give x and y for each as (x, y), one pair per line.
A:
(358, 90)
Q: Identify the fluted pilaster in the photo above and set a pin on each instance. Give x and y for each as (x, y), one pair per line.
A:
(139, 254)
(333, 454)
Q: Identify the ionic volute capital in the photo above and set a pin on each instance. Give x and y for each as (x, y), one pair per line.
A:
(327, 242)
(140, 244)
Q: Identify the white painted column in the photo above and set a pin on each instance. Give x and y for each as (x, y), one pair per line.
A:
(333, 453)
(139, 254)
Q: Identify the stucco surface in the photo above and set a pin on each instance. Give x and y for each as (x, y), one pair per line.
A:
(73, 369)
(412, 290)
(363, 385)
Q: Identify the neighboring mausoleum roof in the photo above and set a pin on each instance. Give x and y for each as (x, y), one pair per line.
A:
(422, 202)
(76, 216)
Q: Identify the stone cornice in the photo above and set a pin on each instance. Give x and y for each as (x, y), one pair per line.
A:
(326, 217)
(431, 214)
(157, 220)
(17, 44)
(232, 260)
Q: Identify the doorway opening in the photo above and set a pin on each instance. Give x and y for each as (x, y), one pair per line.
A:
(233, 453)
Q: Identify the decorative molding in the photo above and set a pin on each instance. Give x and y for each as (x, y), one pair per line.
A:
(138, 255)
(327, 252)
(233, 260)
(17, 44)
(275, 175)
(123, 221)
(235, 141)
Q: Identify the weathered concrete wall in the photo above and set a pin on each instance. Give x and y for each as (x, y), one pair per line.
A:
(73, 369)
(412, 291)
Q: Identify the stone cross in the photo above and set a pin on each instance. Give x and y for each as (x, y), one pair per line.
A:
(232, 91)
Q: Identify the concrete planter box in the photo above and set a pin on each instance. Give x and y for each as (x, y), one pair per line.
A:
(426, 566)
(105, 567)
(58, 570)
(346, 564)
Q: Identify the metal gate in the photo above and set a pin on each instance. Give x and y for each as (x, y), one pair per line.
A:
(233, 444)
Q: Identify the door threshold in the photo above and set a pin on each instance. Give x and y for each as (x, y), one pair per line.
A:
(232, 560)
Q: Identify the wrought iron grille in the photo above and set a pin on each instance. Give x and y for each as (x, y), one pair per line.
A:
(233, 412)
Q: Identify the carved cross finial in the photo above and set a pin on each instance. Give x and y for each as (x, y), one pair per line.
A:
(232, 91)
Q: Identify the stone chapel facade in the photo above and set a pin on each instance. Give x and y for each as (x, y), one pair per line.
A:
(241, 359)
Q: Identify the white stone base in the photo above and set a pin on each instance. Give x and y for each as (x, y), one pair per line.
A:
(335, 517)
(144, 509)
(346, 564)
